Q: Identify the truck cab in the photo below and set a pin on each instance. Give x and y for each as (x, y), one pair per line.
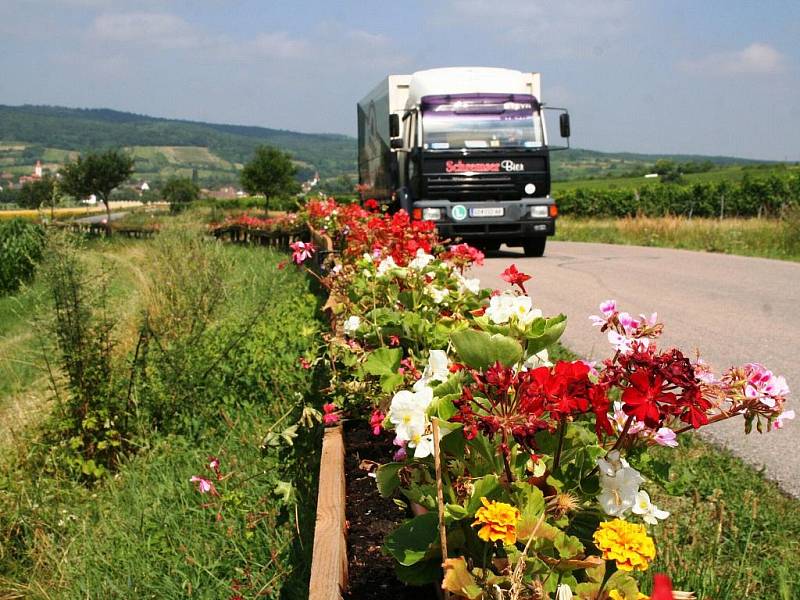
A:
(466, 148)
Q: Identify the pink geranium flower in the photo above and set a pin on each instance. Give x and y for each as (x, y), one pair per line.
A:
(376, 421)
(331, 417)
(302, 251)
(204, 486)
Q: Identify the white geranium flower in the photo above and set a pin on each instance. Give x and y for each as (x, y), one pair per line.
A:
(619, 483)
(439, 295)
(407, 415)
(529, 317)
(436, 369)
(351, 325)
(472, 286)
(501, 308)
(649, 512)
(563, 592)
(423, 445)
(386, 265)
(421, 260)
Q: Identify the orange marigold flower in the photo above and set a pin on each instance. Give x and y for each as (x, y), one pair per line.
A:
(498, 521)
(626, 543)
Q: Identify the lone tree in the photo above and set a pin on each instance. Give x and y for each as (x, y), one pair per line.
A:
(180, 192)
(38, 193)
(97, 173)
(270, 172)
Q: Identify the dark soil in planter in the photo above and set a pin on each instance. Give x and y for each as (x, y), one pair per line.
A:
(370, 517)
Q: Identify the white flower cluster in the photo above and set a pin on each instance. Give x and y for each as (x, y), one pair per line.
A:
(619, 483)
(408, 410)
(504, 307)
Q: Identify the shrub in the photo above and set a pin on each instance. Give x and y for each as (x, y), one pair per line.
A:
(21, 245)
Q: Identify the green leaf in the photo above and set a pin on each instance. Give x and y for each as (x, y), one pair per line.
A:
(485, 487)
(480, 350)
(388, 479)
(454, 512)
(422, 573)
(409, 543)
(285, 490)
(544, 332)
(383, 361)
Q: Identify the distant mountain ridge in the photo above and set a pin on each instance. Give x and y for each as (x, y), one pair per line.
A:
(82, 129)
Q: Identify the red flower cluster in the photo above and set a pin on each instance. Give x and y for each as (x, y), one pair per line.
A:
(371, 205)
(657, 385)
(462, 256)
(520, 404)
(283, 222)
(390, 235)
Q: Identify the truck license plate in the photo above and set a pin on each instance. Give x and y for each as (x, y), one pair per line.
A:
(486, 212)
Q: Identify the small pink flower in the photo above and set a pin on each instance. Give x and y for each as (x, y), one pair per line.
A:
(620, 343)
(331, 417)
(628, 322)
(786, 415)
(401, 452)
(204, 486)
(665, 437)
(608, 307)
(394, 341)
(304, 363)
(376, 421)
(302, 251)
(213, 464)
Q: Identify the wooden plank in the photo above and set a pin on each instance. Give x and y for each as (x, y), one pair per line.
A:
(329, 559)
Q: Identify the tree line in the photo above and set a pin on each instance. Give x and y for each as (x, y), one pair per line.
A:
(752, 196)
(270, 173)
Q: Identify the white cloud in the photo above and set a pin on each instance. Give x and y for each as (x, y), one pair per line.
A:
(164, 30)
(755, 59)
(552, 27)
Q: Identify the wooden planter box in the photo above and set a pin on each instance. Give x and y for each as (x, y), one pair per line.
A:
(329, 560)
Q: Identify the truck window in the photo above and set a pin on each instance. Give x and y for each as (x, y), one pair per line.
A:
(481, 121)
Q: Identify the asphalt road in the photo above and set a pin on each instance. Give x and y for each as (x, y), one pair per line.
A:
(99, 218)
(734, 309)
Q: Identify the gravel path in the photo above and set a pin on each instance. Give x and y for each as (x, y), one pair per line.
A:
(734, 309)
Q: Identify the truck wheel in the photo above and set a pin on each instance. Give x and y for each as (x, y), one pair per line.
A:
(535, 247)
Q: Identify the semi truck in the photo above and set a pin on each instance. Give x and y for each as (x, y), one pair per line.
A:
(465, 147)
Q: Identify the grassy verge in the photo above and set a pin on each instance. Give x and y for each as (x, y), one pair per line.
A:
(730, 534)
(768, 238)
(220, 388)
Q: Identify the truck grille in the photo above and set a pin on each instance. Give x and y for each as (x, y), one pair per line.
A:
(445, 186)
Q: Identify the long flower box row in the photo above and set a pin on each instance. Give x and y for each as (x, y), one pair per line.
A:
(523, 472)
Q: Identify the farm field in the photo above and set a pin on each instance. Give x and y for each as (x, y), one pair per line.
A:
(730, 174)
(768, 238)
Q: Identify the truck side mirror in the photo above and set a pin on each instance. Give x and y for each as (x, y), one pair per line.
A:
(394, 125)
(563, 123)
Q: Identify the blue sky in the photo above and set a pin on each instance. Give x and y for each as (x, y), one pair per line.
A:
(710, 77)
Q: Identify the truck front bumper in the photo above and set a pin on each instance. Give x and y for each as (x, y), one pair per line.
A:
(516, 223)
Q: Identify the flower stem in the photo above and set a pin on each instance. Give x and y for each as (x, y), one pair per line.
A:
(562, 427)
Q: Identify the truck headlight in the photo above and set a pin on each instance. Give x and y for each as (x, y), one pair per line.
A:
(431, 214)
(538, 212)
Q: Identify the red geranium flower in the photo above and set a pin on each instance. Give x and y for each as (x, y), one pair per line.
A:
(642, 400)
(515, 277)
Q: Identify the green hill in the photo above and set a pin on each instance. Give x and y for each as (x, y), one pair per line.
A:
(89, 129)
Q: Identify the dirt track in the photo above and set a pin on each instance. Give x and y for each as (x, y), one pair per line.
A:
(734, 309)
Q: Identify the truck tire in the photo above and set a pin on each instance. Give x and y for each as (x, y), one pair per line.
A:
(535, 246)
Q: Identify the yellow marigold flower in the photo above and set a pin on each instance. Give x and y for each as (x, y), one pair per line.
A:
(615, 595)
(498, 521)
(626, 543)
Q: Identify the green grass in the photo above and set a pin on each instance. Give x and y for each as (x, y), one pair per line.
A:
(146, 532)
(731, 534)
(768, 238)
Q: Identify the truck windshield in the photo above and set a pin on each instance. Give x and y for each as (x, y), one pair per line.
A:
(481, 121)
